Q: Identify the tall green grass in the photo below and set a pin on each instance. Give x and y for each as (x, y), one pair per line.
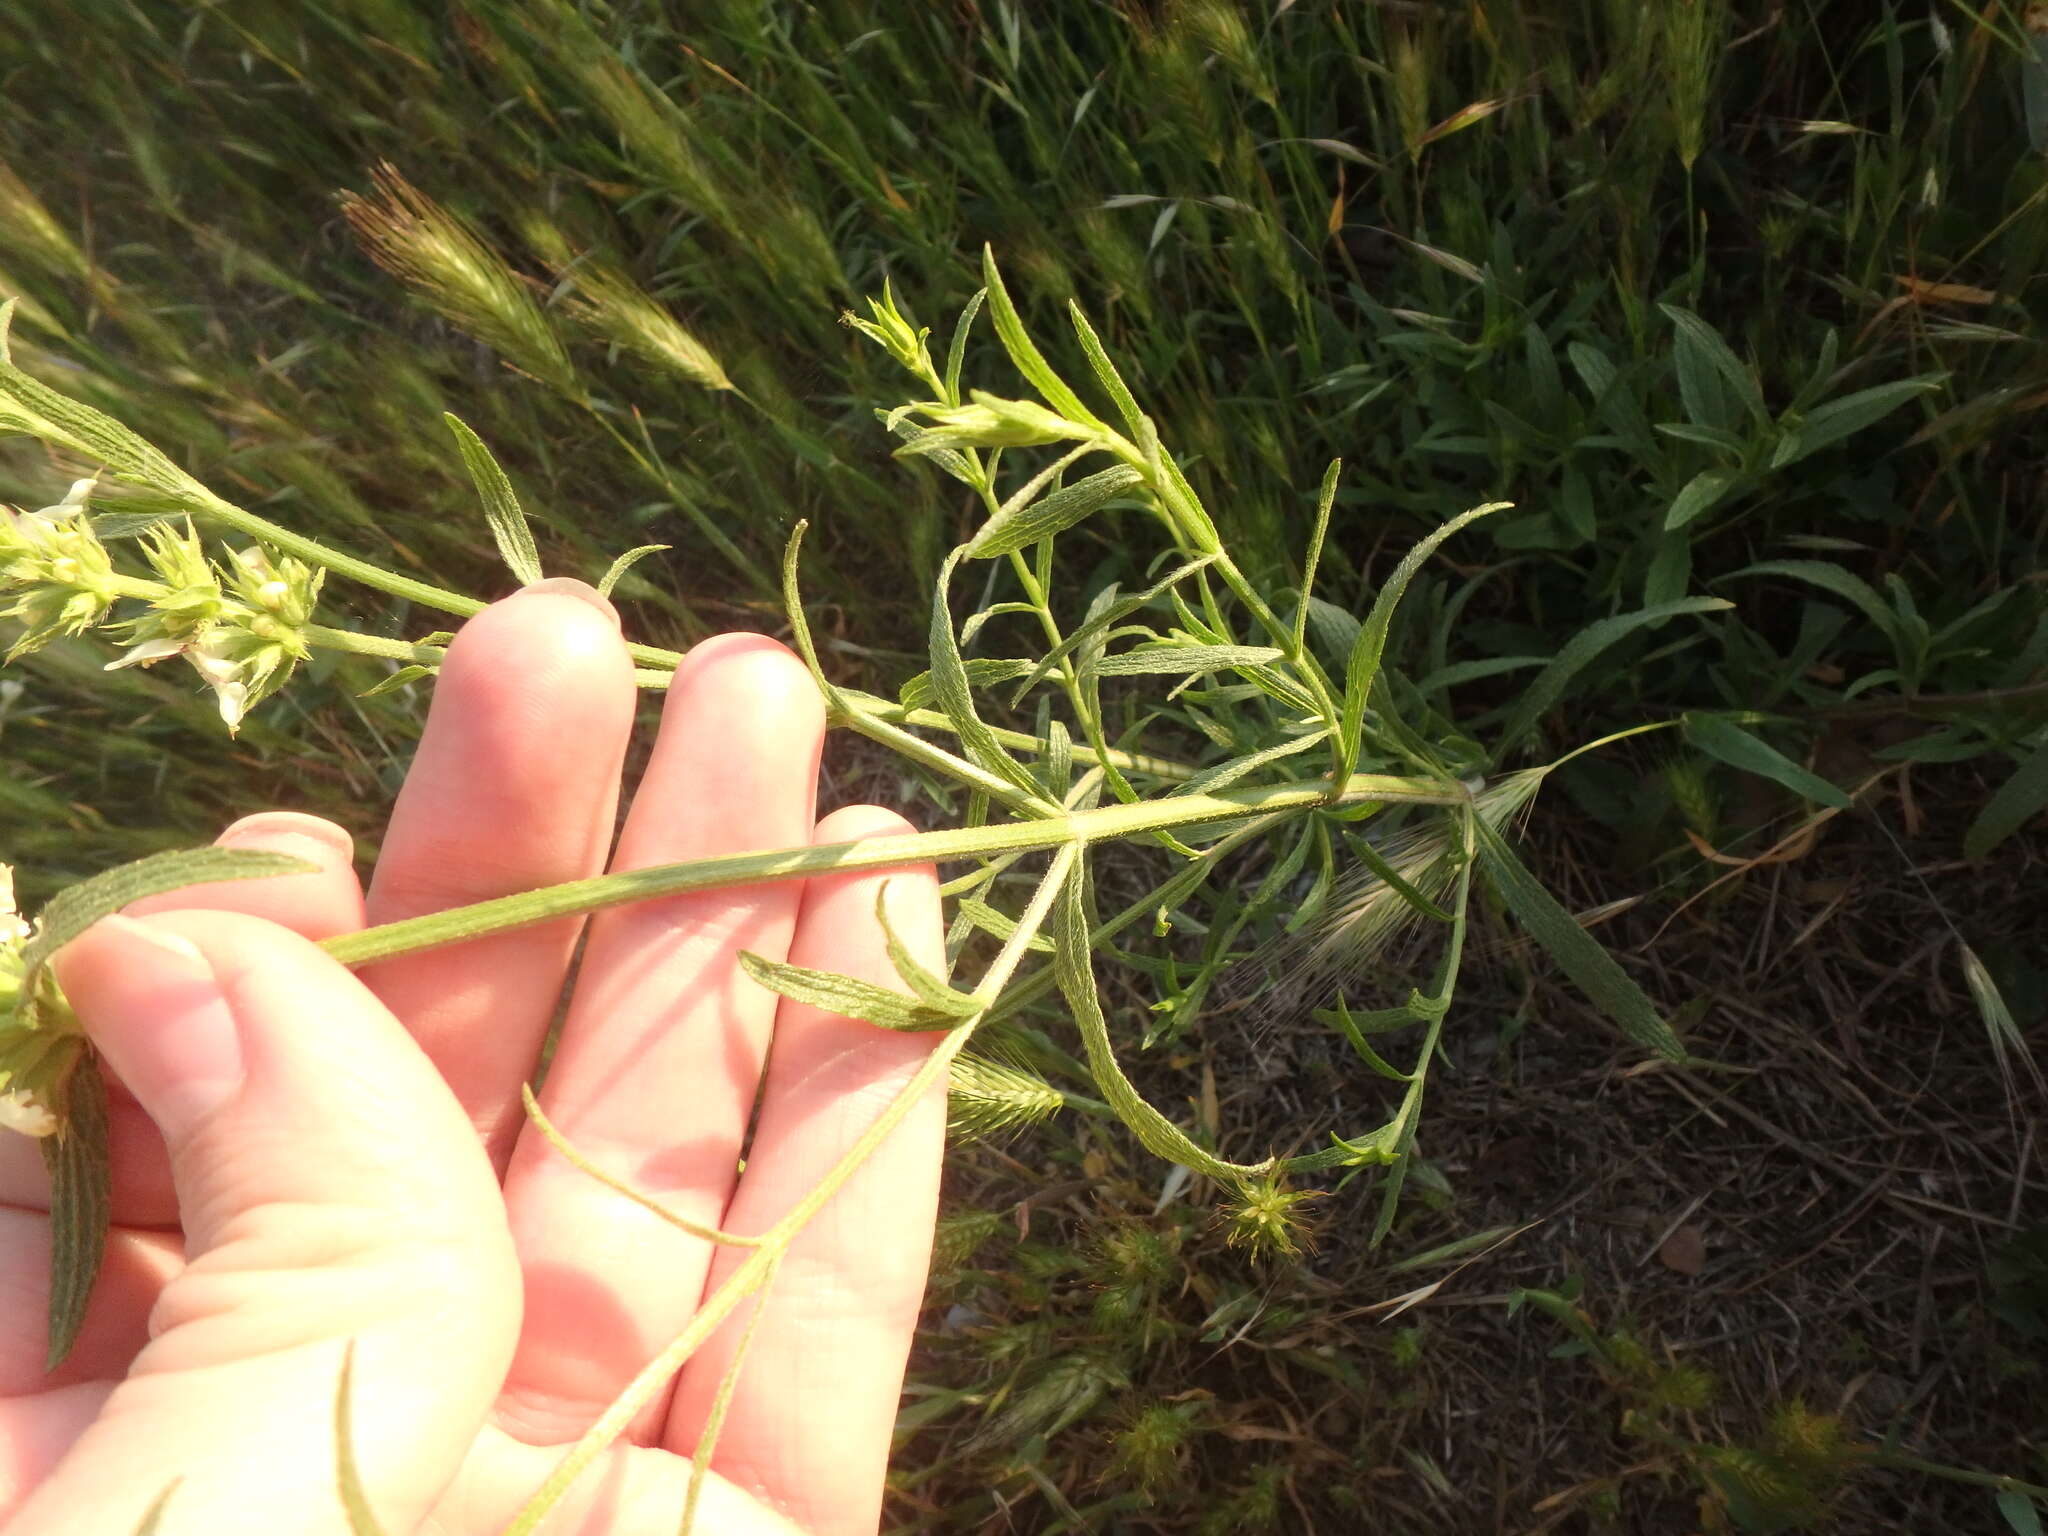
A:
(1462, 249)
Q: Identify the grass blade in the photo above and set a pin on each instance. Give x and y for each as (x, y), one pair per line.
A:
(1577, 953)
(1723, 739)
(1581, 651)
(2016, 802)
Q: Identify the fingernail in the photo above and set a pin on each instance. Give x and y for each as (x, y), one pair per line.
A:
(278, 830)
(179, 1050)
(582, 591)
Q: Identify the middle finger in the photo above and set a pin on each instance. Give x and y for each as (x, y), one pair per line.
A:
(661, 1052)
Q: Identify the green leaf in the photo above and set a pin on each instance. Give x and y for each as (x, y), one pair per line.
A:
(1023, 351)
(1073, 966)
(1106, 610)
(2016, 802)
(77, 907)
(2019, 1510)
(1105, 371)
(1580, 651)
(154, 1519)
(951, 460)
(1705, 364)
(950, 686)
(501, 507)
(30, 406)
(982, 672)
(355, 1501)
(1617, 404)
(1701, 492)
(1830, 577)
(623, 564)
(1721, 738)
(1363, 664)
(1223, 775)
(932, 990)
(1017, 526)
(396, 681)
(1830, 423)
(1341, 1017)
(957, 352)
(1390, 877)
(1326, 498)
(852, 998)
(1185, 660)
(81, 1204)
(1577, 953)
(989, 920)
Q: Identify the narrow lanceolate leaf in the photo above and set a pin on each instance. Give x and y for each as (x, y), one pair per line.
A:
(930, 989)
(1020, 525)
(957, 352)
(1364, 662)
(81, 1204)
(76, 908)
(950, 687)
(1701, 494)
(1105, 371)
(1024, 351)
(1850, 414)
(1830, 577)
(1577, 953)
(154, 1519)
(1723, 739)
(2017, 800)
(355, 1503)
(1702, 348)
(852, 998)
(1223, 775)
(501, 507)
(1326, 498)
(1581, 651)
(1185, 660)
(396, 681)
(625, 563)
(30, 406)
(982, 672)
(1074, 968)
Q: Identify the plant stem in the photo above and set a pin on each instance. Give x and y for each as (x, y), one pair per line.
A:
(1076, 829)
(759, 1265)
(438, 598)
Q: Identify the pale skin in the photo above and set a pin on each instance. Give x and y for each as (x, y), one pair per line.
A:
(306, 1159)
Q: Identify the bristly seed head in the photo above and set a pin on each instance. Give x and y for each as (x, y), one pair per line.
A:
(1266, 1220)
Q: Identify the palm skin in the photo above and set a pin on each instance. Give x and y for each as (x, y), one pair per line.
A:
(357, 1172)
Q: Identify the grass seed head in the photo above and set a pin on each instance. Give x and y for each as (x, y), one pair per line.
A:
(450, 266)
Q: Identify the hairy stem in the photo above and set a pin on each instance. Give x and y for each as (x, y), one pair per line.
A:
(1075, 829)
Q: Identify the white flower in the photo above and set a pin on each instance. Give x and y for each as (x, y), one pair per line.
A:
(22, 1112)
(73, 503)
(145, 653)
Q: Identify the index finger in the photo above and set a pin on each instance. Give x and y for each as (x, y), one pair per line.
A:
(515, 786)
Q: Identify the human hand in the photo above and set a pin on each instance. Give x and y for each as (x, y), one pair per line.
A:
(305, 1160)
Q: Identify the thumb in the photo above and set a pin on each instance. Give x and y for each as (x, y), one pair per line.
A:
(333, 1193)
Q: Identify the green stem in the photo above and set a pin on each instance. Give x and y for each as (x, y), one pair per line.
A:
(1074, 830)
(423, 593)
(759, 1265)
(374, 645)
